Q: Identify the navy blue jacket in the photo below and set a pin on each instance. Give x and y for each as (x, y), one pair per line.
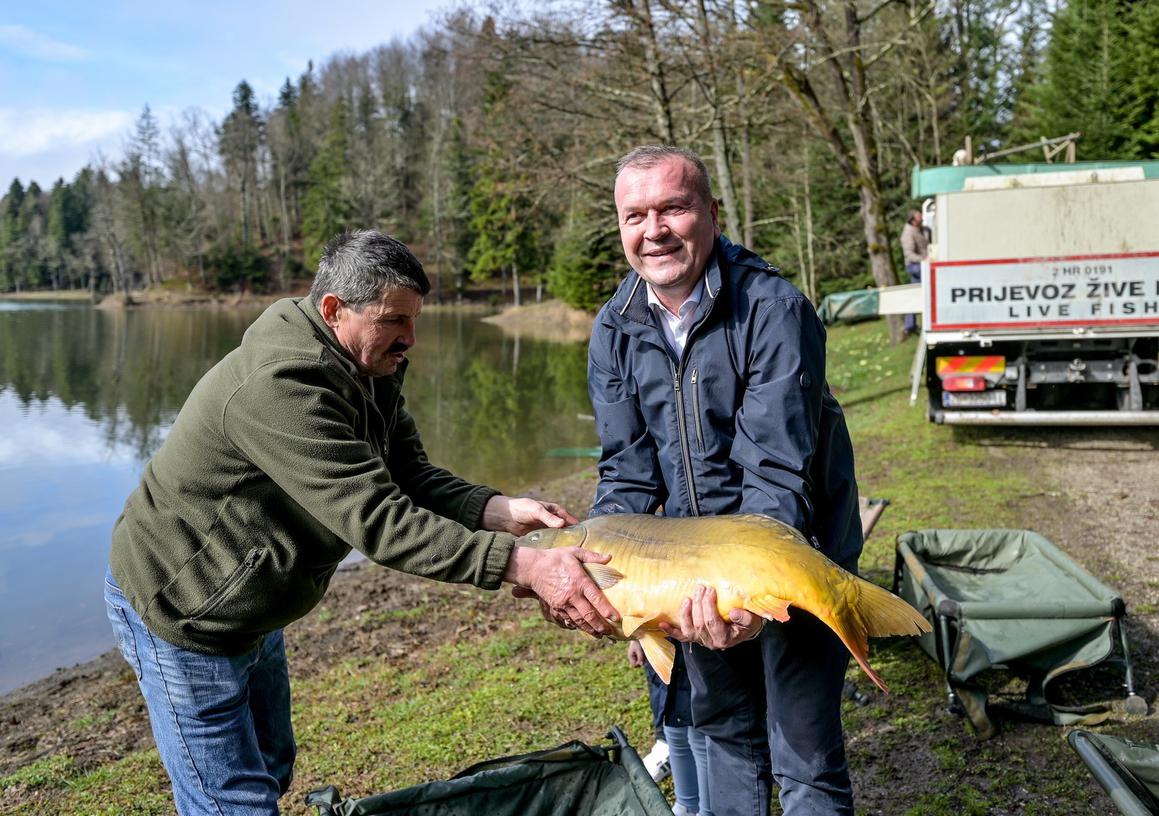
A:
(742, 422)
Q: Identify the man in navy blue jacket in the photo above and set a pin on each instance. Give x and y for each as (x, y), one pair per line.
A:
(707, 377)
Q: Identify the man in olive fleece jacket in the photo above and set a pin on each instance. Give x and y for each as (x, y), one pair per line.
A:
(292, 450)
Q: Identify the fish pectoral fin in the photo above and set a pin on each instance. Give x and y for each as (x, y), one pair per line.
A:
(631, 623)
(769, 607)
(603, 575)
(660, 653)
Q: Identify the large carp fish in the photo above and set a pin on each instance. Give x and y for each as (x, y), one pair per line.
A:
(754, 562)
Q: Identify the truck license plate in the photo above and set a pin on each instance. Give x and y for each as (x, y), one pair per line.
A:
(974, 399)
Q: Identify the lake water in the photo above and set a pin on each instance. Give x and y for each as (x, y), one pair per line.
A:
(87, 395)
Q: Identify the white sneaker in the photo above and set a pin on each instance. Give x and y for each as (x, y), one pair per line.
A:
(656, 761)
(680, 810)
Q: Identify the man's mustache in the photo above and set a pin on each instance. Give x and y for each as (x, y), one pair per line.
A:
(397, 348)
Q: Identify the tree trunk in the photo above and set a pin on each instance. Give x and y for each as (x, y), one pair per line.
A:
(710, 88)
(662, 105)
(746, 176)
(517, 297)
(245, 211)
(859, 163)
(809, 255)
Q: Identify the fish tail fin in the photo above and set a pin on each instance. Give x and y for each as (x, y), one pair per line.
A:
(852, 632)
(660, 653)
(886, 614)
(875, 612)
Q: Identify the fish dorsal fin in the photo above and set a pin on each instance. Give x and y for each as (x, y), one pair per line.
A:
(660, 653)
(769, 607)
(603, 575)
(631, 623)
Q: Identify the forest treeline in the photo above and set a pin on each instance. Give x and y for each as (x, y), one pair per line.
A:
(487, 141)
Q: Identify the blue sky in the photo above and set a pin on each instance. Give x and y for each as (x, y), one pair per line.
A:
(75, 74)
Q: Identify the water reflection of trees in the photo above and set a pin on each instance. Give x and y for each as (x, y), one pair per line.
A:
(489, 406)
(129, 372)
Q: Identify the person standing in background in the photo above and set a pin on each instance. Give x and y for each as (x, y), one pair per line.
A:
(915, 248)
(684, 750)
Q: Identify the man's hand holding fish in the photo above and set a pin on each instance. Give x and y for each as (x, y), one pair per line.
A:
(566, 593)
(700, 622)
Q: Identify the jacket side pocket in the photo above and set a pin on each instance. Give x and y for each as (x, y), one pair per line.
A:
(244, 570)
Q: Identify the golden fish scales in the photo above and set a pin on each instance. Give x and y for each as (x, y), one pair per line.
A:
(753, 562)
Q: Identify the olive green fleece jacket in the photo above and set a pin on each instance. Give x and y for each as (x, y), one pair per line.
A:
(281, 460)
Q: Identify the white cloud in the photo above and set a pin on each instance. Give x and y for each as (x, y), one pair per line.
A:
(31, 132)
(25, 41)
(48, 434)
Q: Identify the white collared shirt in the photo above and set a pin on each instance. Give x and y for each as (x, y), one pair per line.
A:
(676, 326)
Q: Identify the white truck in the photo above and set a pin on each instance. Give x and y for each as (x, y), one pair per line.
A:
(1041, 294)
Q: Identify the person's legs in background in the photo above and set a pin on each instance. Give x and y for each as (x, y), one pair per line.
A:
(656, 760)
(699, 748)
(685, 779)
(915, 276)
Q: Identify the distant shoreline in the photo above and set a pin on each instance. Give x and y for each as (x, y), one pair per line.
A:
(59, 294)
(550, 320)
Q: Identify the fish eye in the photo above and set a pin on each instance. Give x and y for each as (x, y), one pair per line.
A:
(534, 537)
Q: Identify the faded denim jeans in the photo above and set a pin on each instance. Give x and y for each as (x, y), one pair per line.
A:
(687, 753)
(221, 724)
(915, 276)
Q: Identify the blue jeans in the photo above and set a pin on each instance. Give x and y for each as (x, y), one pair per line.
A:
(221, 724)
(915, 276)
(779, 692)
(689, 761)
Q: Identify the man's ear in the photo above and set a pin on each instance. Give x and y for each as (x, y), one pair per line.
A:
(714, 210)
(328, 307)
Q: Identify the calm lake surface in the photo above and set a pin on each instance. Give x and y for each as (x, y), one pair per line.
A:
(87, 395)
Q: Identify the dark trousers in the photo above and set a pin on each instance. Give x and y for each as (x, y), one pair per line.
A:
(781, 691)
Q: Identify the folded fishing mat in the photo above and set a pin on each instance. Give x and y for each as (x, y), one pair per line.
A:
(1009, 601)
(572, 779)
(1128, 771)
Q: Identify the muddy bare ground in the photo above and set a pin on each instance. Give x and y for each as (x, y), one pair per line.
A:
(1099, 501)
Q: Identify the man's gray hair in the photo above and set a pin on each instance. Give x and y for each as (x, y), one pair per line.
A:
(360, 266)
(647, 156)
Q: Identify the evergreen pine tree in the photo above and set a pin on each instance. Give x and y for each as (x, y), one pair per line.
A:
(1139, 111)
(1085, 78)
(10, 235)
(586, 264)
(326, 205)
(240, 137)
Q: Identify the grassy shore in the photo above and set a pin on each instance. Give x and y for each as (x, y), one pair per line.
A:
(70, 295)
(398, 681)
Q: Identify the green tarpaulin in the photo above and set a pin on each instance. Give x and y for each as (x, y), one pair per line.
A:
(1127, 770)
(860, 304)
(1008, 600)
(573, 779)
